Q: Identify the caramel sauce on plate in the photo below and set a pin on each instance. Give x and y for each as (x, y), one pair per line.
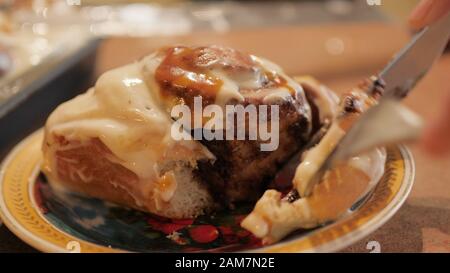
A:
(339, 190)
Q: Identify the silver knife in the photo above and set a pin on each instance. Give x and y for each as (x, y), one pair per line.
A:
(400, 77)
(389, 121)
(414, 60)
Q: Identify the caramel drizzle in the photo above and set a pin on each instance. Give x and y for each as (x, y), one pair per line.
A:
(187, 72)
(179, 73)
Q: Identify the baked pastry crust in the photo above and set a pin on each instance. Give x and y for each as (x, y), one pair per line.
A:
(114, 142)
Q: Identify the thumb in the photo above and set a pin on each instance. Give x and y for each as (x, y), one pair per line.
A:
(436, 137)
(427, 12)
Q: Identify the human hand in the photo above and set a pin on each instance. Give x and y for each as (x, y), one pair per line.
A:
(428, 12)
(436, 138)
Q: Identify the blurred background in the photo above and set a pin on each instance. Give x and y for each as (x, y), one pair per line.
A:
(32, 29)
(51, 50)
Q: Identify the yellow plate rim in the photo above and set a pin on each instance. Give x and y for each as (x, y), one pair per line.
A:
(330, 238)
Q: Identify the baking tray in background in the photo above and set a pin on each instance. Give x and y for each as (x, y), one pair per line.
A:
(39, 90)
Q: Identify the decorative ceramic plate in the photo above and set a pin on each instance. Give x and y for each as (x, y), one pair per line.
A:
(55, 222)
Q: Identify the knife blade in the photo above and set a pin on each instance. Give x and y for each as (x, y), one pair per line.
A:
(414, 60)
(389, 121)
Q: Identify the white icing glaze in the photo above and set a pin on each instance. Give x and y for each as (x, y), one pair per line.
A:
(315, 158)
(232, 84)
(122, 111)
(325, 99)
(126, 111)
(229, 89)
(277, 95)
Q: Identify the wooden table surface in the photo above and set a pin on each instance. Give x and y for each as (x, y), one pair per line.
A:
(339, 56)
